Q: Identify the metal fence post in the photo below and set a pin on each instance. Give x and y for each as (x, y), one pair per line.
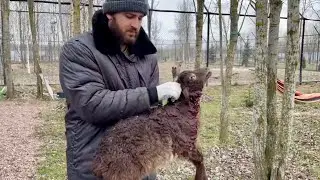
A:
(208, 40)
(317, 66)
(301, 53)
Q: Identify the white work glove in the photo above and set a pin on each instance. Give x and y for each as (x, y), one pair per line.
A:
(169, 90)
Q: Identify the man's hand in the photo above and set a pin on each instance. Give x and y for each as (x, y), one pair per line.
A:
(169, 90)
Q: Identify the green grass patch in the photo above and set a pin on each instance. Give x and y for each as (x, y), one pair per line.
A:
(2, 93)
(51, 132)
(210, 114)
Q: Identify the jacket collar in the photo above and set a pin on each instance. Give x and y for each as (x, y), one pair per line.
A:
(106, 43)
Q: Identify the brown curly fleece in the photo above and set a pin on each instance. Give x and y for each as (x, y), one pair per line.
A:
(137, 146)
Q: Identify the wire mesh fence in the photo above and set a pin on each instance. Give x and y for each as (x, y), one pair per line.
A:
(172, 32)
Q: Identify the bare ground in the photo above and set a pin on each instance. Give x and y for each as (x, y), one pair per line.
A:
(19, 145)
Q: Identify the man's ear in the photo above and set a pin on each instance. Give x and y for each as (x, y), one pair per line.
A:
(109, 17)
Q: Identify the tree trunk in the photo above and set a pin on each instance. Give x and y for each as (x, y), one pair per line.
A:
(226, 89)
(30, 59)
(199, 27)
(53, 32)
(221, 56)
(273, 46)
(76, 29)
(36, 15)
(260, 94)
(61, 23)
(90, 14)
(83, 19)
(225, 32)
(22, 42)
(292, 54)
(150, 19)
(35, 49)
(8, 79)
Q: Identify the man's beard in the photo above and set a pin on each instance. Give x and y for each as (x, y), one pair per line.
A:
(121, 36)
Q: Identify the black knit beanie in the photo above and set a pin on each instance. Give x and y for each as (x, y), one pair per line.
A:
(114, 6)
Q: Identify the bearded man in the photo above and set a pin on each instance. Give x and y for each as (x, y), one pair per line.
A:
(106, 75)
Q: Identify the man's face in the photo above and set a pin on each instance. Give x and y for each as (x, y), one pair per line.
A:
(126, 26)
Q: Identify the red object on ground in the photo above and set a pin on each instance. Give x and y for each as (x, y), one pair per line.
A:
(299, 96)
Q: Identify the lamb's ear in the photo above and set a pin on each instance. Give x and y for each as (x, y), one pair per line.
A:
(208, 75)
(185, 93)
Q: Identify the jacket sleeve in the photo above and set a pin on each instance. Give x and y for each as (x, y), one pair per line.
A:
(84, 87)
(154, 80)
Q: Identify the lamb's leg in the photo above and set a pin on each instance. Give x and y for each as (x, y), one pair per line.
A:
(189, 151)
(200, 171)
(197, 159)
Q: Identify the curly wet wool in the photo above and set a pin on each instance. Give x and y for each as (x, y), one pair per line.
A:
(114, 6)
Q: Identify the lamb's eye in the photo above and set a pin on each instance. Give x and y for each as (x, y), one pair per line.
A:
(192, 77)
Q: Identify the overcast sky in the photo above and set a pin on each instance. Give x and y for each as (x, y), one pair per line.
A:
(167, 20)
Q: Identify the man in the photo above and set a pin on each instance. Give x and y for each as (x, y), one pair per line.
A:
(108, 74)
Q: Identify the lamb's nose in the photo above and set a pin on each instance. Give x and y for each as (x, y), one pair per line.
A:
(193, 77)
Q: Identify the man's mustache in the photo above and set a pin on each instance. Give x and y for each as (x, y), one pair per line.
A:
(133, 30)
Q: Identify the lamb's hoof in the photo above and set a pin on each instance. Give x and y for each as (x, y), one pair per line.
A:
(201, 177)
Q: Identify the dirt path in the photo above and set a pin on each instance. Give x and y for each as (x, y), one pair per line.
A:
(18, 145)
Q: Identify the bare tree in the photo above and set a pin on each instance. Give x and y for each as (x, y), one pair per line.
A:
(246, 53)
(90, 13)
(292, 54)
(155, 29)
(22, 40)
(272, 58)
(226, 89)
(220, 46)
(8, 79)
(61, 22)
(184, 30)
(225, 28)
(260, 94)
(76, 29)
(83, 18)
(154, 25)
(153, 4)
(35, 49)
(199, 27)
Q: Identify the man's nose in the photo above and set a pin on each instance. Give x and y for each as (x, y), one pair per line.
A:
(136, 23)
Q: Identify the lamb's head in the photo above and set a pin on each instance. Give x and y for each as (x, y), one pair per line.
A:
(192, 82)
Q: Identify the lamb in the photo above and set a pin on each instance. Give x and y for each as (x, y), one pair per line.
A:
(139, 145)
(175, 70)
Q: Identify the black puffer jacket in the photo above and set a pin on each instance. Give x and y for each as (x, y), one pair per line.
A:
(102, 85)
